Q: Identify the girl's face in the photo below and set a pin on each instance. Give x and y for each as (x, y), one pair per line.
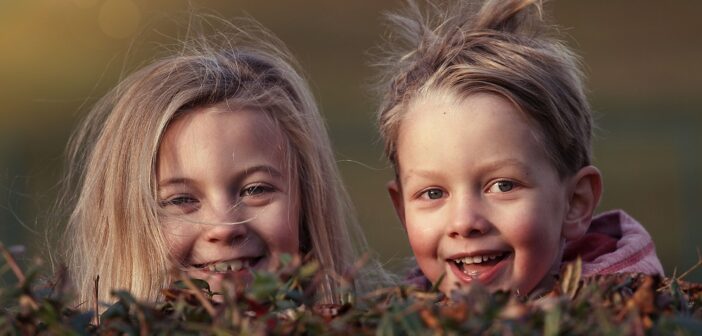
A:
(477, 194)
(223, 184)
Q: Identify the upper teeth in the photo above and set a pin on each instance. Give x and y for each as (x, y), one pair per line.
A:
(477, 259)
(227, 266)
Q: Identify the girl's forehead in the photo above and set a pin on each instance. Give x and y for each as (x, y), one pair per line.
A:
(211, 132)
(225, 118)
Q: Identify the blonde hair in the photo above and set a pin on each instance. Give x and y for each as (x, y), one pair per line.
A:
(503, 47)
(114, 230)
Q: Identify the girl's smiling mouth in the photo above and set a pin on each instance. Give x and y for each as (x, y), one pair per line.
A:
(226, 266)
(481, 266)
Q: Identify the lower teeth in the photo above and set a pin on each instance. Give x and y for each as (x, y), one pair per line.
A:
(473, 274)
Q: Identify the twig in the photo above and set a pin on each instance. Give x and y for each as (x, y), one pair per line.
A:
(143, 326)
(694, 267)
(684, 274)
(198, 294)
(95, 301)
(13, 263)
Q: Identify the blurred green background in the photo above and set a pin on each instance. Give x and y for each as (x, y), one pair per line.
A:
(643, 60)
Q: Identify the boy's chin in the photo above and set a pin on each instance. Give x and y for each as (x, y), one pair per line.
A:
(507, 285)
(453, 287)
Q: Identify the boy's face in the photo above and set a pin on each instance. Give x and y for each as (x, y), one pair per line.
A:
(477, 194)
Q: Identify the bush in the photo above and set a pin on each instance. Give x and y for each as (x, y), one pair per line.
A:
(283, 303)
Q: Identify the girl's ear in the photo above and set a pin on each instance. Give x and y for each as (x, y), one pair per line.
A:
(395, 191)
(585, 192)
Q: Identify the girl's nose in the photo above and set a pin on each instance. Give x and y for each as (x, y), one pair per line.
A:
(468, 220)
(225, 233)
(225, 225)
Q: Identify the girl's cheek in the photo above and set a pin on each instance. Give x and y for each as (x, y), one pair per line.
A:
(278, 226)
(179, 238)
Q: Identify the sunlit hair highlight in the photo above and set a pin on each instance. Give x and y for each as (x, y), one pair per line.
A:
(503, 47)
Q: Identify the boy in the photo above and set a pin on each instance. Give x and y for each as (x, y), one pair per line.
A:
(489, 130)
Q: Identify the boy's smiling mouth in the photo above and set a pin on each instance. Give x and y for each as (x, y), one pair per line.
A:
(481, 266)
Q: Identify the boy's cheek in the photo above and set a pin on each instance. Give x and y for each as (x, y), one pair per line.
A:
(429, 265)
(424, 240)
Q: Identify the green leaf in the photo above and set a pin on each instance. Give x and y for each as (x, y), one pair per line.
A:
(308, 270)
(285, 259)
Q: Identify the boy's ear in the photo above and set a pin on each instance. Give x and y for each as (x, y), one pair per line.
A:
(585, 191)
(395, 191)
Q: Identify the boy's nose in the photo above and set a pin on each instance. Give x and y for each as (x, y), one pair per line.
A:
(468, 221)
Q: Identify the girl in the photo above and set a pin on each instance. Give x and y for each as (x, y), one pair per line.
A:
(214, 160)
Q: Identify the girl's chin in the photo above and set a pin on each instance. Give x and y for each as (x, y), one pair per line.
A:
(216, 280)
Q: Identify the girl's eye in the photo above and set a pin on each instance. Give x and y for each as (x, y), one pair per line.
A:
(179, 201)
(181, 204)
(255, 190)
(502, 186)
(433, 194)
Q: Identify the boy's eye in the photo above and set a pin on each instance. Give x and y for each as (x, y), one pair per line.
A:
(502, 186)
(255, 190)
(433, 194)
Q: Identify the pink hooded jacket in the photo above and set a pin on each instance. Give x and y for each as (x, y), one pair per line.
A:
(614, 243)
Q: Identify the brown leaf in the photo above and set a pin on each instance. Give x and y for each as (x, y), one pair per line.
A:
(570, 279)
(515, 310)
(644, 297)
(456, 312)
(429, 319)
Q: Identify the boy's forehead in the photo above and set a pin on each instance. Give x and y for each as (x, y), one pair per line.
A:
(449, 104)
(445, 102)
(445, 106)
(482, 130)
(432, 98)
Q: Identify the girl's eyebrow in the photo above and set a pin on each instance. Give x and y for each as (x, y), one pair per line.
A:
(272, 171)
(174, 181)
(263, 168)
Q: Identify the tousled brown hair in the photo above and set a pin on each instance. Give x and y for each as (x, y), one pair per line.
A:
(503, 47)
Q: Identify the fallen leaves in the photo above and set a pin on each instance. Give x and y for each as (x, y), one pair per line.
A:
(285, 303)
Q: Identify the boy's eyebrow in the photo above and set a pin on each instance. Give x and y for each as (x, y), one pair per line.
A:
(488, 167)
(428, 174)
(495, 165)
(247, 171)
